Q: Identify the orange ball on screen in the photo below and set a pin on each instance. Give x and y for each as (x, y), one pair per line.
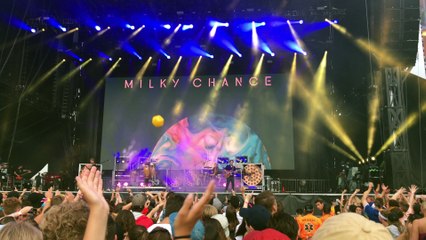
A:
(157, 121)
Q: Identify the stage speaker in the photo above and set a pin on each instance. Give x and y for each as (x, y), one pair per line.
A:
(400, 31)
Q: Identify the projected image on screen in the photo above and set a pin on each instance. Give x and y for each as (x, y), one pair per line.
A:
(194, 144)
(241, 115)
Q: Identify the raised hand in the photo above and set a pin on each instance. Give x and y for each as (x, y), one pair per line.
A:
(90, 184)
(413, 189)
(190, 213)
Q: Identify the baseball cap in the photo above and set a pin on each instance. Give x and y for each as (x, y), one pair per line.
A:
(256, 216)
(138, 200)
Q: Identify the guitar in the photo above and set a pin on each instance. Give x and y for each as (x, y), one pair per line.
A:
(19, 177)
(228, 173)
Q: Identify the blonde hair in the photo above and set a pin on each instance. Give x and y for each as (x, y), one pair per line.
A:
(351, 226)
(209, 211)
(65, 221)
(20, 230)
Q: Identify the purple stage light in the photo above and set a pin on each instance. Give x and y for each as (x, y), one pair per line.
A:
(98, 28)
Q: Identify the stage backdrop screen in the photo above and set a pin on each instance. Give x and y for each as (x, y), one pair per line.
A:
(206, 119)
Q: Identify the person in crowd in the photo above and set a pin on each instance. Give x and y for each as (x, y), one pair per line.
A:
(137, 233)
(124, 222)
(256, 217)
(213, 230)
(394, 225)
(326, 212)
(419, 226)
(20, 230)
(351, 226)
(308, 224)
(320, 204)
(209, 211)
(284, 223)
(268, 200)
(372, 209)
(173, 204)
(223, 223)
(159, 233)
(74, 220)
(231, 215)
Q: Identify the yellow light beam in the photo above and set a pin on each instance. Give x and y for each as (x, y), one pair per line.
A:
(404, 126)
(142, 71)
(259, 66)
(326, 141)
(317, 94)
(195, 69)
(210, 105)
(74, 71)
(168, 40)
(66, 33)
(86, 100)
(382, 56)
(373, 117)
(100, 33)
(136, 32)
(43, 78)
(300, 42)
(173, 72)
(334, 125)
(291, 79)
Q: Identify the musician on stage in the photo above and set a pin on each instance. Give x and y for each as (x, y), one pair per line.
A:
(229, 174)
(20, 172)
(3, 174)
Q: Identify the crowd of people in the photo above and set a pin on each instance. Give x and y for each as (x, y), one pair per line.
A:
(168, 215)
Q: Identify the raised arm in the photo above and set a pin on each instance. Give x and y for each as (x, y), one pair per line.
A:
(90, 184)
(189, 214)
(365, 194)
(398, 193)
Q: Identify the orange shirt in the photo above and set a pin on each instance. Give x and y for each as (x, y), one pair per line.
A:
(325, 217)
(308, 225)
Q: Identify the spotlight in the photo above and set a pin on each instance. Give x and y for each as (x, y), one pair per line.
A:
(257, 24)
(301, 22)
(166, 26)
(63, 29)
(33, 30)
(187, 26)
(110, 59)
(141, 184)
(98, 28)
(272, 54)
(131, 27)
(335, 21)
(126, 184)
(373, 158)
(80, 59)
(119, 184)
